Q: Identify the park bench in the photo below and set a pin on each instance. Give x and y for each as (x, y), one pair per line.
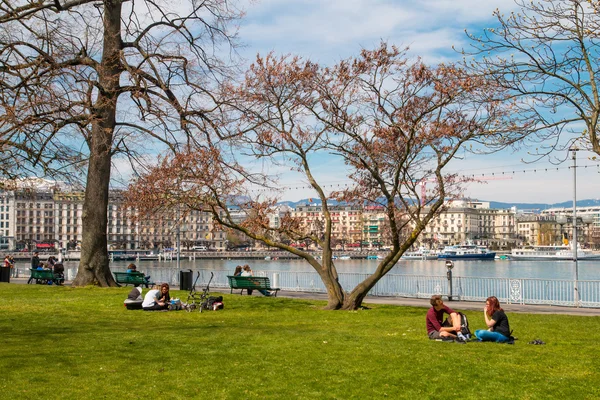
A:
(250, 282)
(44, 276)
(132, 278)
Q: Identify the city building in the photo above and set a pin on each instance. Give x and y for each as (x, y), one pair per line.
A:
(39, 215)
(471, 221)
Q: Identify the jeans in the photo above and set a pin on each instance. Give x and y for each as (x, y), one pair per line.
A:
(487, 336)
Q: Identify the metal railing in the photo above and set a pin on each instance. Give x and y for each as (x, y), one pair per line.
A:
(508, 290)
(560, 292)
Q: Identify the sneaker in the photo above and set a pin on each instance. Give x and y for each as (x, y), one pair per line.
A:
(460, 336)
(447, 339)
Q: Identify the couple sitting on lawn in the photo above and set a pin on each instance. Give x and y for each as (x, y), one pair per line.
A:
(450, 329)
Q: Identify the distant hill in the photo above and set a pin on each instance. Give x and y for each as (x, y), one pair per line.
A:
(535, 207)
(542, 206)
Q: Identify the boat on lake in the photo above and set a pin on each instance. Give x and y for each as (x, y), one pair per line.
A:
(421, 254)
(466, 252)
(551, 253)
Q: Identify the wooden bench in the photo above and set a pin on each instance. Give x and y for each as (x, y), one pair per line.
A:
(132, 278)
(250, 282)
(43, 276)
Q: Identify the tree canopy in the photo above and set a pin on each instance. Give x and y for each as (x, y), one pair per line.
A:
(393, 121)
(546, 57)
(84, 81)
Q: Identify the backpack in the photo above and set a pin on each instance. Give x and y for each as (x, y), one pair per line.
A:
(213, 303)
(464, 325)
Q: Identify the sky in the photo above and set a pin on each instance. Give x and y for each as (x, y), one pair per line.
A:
(326, 31)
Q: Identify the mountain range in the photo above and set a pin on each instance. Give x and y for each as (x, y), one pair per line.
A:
(533, 207)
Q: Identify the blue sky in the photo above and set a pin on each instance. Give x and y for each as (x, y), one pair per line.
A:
(327, 31)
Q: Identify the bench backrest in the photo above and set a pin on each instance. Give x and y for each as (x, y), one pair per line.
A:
(251, 282)
(42, 274)
(129, 277)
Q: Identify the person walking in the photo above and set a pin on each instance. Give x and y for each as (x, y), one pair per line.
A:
(35, 262)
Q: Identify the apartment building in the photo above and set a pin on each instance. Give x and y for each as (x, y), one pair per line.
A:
(347, 221)
(7, 220)
(471, 221)
(34, 219)
(374, 225)
(47, 217)
(68, 211)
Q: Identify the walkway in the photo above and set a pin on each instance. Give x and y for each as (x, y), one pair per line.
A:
(403, 301)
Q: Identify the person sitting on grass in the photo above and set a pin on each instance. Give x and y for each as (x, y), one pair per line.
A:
(151, 300)
(447, 330)
(135, 294)
(498, 328)
(164, 295)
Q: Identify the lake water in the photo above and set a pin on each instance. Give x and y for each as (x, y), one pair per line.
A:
(165, 270)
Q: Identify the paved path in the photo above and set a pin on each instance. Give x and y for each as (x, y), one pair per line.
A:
(412, 302)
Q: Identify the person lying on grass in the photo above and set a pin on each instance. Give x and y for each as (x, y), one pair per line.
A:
(446, 330)
(498, 328)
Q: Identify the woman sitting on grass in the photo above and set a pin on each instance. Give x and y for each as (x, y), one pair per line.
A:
(498, 329)
(152, 300)
(164, 295)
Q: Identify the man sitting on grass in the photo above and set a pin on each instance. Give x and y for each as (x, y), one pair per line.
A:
(447, 330)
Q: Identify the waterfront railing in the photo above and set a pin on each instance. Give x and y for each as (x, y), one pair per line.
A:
(558, 292)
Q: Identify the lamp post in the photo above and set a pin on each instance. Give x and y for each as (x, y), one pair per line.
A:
(574, 150)
(178, 239)
(449, 266)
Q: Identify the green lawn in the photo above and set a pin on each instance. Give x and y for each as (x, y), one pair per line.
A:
(59, 342)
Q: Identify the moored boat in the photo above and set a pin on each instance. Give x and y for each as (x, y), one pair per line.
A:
(420, 254)
(551, 253)
(467, 252)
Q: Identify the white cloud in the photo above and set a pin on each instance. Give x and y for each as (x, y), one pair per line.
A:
(329, 30)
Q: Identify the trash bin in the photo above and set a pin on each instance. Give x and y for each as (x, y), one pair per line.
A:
(185, 280)
(5, 274)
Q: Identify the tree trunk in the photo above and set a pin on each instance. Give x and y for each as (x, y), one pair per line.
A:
(353, 300)
(94, 265)
(335, 292)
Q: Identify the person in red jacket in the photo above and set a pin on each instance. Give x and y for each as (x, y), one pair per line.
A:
(437, 327)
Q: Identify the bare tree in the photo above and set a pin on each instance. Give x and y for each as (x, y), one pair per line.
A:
(393, 122)
(546, 55)
(84, 81)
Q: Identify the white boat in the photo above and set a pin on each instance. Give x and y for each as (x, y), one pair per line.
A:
(344, 257)
(551, 253)
(467, 252)
(421, 254)
(148, 257)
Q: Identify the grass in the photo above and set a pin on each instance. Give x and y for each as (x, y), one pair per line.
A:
(59, 342)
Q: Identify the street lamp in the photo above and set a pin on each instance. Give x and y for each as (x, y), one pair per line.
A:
(574, 150)
(449, 266)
